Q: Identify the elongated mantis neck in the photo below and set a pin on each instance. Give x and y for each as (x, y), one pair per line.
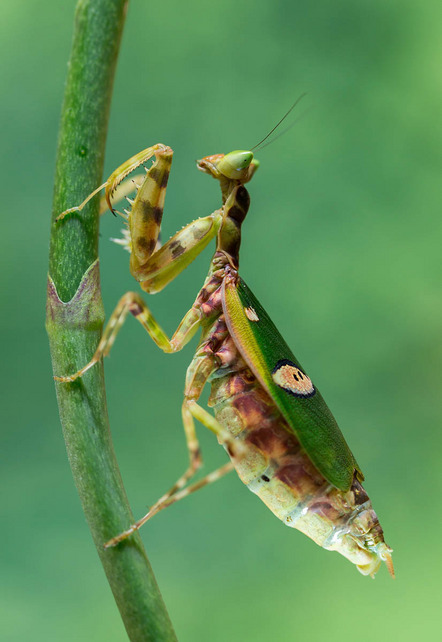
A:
(235, 211)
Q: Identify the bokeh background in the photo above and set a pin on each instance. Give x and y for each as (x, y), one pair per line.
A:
(343, 247)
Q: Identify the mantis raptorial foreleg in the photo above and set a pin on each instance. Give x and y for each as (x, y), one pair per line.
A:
(166, 263)
(117, 177)
(123, 190)
(144, 221)
(153, 268)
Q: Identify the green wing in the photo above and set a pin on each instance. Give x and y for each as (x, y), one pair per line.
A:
(279, 372)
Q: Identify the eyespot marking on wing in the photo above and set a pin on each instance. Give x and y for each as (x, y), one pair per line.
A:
(251, 314)
(290, 378)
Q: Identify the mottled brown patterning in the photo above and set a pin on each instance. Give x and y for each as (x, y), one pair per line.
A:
(265, 405)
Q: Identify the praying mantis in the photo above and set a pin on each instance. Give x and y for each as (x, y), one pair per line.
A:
(279, 434)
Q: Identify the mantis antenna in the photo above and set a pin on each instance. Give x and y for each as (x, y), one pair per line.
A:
(280, 121)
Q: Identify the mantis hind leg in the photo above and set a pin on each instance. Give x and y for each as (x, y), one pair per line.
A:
(191, 410)
(168, 500)
(179, 490)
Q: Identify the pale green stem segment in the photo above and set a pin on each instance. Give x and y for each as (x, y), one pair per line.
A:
(74, 327)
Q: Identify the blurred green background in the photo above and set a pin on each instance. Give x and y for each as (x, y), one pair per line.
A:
(342, 246)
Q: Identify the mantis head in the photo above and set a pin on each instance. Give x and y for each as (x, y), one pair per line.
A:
(238, 165)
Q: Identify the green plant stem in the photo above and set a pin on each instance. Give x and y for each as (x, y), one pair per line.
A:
(75, 318)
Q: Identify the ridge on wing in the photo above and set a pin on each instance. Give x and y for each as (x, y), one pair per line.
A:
(282, 376)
